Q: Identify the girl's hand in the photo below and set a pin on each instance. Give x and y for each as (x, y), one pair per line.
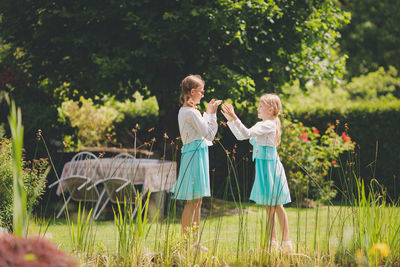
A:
(229, 112)
(213, 106)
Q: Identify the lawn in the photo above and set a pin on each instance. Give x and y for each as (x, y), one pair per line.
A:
(232, 234)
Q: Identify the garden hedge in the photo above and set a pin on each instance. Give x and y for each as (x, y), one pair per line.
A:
(374, 126)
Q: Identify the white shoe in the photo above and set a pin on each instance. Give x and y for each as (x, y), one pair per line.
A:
(275, 244)
(200, 246)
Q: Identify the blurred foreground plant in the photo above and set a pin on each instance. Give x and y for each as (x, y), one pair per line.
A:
(16, 249)
(34, 251)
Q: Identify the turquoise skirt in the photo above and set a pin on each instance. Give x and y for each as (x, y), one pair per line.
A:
(270, 185)
(194, 179)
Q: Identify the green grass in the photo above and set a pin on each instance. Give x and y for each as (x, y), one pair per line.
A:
(308, 232)
(363, 232)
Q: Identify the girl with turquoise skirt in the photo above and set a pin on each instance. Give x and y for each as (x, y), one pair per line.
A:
(270, 185)
(197, 133)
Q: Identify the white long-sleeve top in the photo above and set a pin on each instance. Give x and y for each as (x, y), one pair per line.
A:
(194, 126)
(263, 132)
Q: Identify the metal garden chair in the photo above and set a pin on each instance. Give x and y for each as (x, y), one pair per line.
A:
(118, 182)
(83, 171)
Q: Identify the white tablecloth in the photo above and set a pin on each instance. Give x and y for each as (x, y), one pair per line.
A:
(153, 174)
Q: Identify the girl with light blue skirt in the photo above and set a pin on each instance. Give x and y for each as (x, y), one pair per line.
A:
(270, 185)
(197, 133)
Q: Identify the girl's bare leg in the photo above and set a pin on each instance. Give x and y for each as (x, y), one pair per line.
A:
(197, 215)
(271, 223)
(191, 215)
(283, 222)
(187, 216)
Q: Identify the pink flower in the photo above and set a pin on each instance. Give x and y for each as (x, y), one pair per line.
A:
(304, 137)
(316, 131)
(346, 138)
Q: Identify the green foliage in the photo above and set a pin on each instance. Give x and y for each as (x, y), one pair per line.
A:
(375, 230)
(139, 108)
(371, 40)
(378, 88)
(34, 180)
(105, 47)
(96, 124)
(319, 58)
(2, 130)
(368, 107)
(132, 228)
(375, 85)
(82, 233)
(375, 222)
(307, 156)
(20, 213)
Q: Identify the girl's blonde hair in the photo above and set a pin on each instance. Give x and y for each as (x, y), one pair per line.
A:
(190, 82)
(272, 100)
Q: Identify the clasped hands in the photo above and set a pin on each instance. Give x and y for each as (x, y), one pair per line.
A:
(226, 109)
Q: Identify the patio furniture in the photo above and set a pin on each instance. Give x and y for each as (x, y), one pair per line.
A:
(77, 179)
(122, 175)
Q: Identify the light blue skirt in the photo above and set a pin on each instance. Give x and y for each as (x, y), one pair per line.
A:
(194, 179)
(270, 185)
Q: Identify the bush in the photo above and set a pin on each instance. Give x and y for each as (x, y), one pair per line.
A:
(94, 124)
(143, 112)
(380, 86)
(373, 126)
(101, 125)
(34, 177)
(307, 156)
(368, 106)
(375, 85)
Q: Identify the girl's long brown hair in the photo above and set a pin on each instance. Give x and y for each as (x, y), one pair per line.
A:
(190, 82)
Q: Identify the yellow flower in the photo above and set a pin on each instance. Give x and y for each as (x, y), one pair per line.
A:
(381, 249)
(358, 254)
(359, 257)
(29, 257)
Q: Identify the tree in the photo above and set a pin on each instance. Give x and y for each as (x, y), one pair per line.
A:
(372, 38)
(117, 46)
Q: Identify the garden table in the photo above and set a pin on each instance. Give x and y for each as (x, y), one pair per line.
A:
(153, 174)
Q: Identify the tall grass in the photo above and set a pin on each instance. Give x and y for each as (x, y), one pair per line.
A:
(132, 229)
(347, 240)
(376, 221)
(363, 230)
(82, 232)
